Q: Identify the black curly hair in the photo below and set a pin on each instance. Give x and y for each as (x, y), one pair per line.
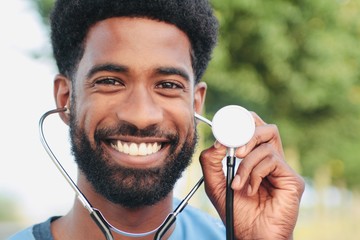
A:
(72, 19)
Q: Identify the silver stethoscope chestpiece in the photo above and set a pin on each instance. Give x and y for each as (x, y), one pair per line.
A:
(233, 126)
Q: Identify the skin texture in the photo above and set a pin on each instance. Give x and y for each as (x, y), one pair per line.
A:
(152, 84)
(267, 191)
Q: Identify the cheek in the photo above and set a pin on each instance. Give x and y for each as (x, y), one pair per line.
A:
(184, 122)
(178, 113)
(90, 114)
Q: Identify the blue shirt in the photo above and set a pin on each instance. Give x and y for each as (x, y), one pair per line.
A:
(191, 223)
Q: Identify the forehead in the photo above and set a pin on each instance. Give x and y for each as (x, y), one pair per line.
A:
(138, 43)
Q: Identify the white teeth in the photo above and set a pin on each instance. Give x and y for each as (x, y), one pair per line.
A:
(156, 147)
(120, 146)
(149, 148)
(135, 149)
(142, 149)
(126, 149)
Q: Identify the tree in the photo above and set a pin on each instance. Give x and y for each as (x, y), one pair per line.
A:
(297, 64)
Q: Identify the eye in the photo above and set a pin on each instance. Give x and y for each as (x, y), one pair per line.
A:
(169, 85)
(108, 84)
(109, 81)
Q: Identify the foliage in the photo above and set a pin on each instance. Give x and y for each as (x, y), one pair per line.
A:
(44, 8)
(296, 63)
(8, 210)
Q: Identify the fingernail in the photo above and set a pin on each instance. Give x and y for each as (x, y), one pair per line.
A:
(217, 144)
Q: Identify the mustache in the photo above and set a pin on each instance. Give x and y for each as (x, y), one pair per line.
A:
(128, 129)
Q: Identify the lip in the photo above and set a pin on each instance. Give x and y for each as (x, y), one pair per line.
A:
(144, 161)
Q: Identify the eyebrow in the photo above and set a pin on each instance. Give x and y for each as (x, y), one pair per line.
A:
(118, 68)
(173, 71)
(108, 67)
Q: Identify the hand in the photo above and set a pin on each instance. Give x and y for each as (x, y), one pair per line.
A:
(267, 191)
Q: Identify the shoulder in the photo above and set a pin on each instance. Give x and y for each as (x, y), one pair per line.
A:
(40, 231)
(193, 223)
(26, 234)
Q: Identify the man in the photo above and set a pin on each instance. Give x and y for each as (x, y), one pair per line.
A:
(130, 74)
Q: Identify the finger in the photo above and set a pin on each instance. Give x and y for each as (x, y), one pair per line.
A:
(263, 134)
(211, 164)
(260, 172)
(258, 120)
(214, 177)
(249, 163)
(246, 148)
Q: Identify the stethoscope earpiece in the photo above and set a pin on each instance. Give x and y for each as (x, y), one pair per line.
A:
(67, 111)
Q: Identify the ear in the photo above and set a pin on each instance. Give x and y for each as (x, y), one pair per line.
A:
(199, 96)
(62, 89)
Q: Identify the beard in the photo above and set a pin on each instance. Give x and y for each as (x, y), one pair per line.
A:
(130, 187)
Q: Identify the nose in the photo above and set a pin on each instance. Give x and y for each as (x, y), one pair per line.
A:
(140, 109)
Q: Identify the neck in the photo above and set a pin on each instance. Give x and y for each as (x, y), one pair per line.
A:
(78, 222)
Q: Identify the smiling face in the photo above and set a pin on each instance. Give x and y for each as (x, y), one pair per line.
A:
(132, 103)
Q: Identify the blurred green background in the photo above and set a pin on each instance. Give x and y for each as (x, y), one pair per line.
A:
(297, 64)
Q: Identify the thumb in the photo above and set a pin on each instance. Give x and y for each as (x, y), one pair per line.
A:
(214, 177)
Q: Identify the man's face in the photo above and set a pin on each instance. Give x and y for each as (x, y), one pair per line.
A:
(132, 105)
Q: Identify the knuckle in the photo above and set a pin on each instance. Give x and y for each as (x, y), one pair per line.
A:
(202, 155)
(274, 128)
(269, 151)
(272, 158)
(205, 154)
(301, 184)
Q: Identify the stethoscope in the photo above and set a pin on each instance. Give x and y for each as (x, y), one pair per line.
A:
(233, 126)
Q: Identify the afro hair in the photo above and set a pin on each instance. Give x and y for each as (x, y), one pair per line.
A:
(72, 19)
